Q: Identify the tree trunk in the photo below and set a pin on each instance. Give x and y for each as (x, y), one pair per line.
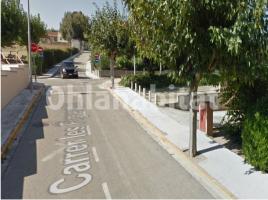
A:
(112, 63)
(193, 118)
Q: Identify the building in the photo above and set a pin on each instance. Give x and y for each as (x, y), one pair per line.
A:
(53, 37)
(76, 44)
(60, 38)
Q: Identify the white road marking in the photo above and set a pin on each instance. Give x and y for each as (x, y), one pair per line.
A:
(88, 130)
(95, 154)
(106, 190)
(59, 144)
(50, 156)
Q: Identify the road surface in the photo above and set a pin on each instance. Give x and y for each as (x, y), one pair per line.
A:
(88, 146)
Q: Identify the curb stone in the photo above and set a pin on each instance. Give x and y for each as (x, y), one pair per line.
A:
(13, 134)
(207, 181)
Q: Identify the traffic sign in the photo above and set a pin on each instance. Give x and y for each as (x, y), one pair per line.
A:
(35, 48)
(40, 49)
(97, 57)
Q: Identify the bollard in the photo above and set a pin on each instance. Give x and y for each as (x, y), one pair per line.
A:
(139, 90)
(144, 92)
(135, 87)
(155, 99)
(131, 85)
(149, 95)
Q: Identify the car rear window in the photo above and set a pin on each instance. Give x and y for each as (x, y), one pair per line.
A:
(68, 65)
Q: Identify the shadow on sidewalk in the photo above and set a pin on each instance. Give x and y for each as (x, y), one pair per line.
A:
(210, 149)
(23, 162)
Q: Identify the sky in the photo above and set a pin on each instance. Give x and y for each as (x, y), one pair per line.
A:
(52, 11)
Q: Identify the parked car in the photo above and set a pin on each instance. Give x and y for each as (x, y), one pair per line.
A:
(68, 70)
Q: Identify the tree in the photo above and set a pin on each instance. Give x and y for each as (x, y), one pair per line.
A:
(198, 37)
(109, 32)
(38, 28)
(14, 24)
(74, 25)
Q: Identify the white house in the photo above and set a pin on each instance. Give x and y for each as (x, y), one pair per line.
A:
(60, 38)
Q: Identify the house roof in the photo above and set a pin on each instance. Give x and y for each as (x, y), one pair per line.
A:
(52, 34)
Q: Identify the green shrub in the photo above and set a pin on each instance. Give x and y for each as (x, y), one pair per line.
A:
(74, 50)
(255, 140)
(123, 62)
(141, 79)
(103, 63)
(210, 79)
(239, 98)
(54, 56)
(145, 64)
(145, 79)
(37, 64)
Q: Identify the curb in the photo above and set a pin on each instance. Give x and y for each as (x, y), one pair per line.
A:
(13, 134)
(208, 182)
(56, 71)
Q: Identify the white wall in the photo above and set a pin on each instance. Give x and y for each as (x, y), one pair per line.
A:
(14, 78)
(76, 44)
(60, 38)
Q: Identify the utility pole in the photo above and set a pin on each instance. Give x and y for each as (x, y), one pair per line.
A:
(29, 46)
(160, 68)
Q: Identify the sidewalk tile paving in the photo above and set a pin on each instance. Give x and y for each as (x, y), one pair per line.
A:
(225, 166)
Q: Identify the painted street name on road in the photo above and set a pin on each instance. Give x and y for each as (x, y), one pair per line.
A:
(76, 160)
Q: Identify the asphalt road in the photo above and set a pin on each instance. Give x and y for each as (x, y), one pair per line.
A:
(89, 146)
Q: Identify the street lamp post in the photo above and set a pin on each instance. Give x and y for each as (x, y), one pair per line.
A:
(29, 47)
(134, 64)
(134, 61)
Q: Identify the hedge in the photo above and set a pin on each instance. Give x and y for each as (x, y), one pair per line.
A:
(255, 135)
(255, 141)
(122, 62)
(146, 79)
(54, 56)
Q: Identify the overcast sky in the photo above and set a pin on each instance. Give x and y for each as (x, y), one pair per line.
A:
(52, 11)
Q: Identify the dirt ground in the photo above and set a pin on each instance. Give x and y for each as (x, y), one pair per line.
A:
(22, 50)
(230, 142)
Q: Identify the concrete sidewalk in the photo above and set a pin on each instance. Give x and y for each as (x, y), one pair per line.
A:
(15, 113)
(220, 163)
